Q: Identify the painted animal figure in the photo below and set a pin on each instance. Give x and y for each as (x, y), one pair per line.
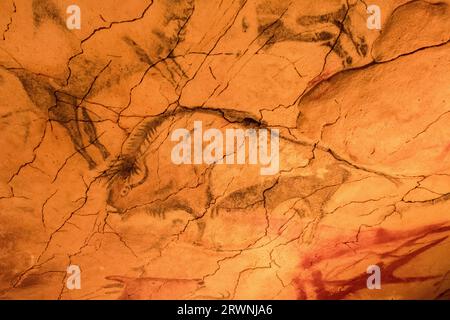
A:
(144, 179)
(312, 28)
(63, 101)
(64, 109)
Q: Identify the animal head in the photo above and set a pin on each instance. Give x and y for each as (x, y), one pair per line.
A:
(123, 175)
(129, 170)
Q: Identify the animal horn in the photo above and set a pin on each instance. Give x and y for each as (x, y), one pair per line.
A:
(142, 180)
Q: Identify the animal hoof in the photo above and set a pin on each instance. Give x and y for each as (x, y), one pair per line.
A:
(92, 165)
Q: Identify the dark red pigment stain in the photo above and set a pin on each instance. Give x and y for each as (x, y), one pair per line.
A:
(380, 236)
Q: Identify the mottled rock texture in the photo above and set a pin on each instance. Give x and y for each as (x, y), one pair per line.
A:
(86, 176)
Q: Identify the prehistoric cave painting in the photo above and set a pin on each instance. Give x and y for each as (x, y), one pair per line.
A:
(171, 70)
(159, 52)
(390, 261)
(358, 181)
(63, 102)
(46, 10)
(64, 109)
(130, 170)
(310, 193)
(313, 28)
(153, 288)
(134, 178)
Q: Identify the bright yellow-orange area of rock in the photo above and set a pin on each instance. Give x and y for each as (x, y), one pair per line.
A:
(94, 206)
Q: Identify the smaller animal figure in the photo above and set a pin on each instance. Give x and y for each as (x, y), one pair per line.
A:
(314, 28)
(64, 109)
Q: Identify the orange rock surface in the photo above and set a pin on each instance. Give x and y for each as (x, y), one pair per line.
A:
(87, 178)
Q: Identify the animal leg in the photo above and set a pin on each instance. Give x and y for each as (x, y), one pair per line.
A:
(89, 129)
(358, 42)
(66, 114)
(201, 225)
(214, 211)
(75, 135)
(347, 59)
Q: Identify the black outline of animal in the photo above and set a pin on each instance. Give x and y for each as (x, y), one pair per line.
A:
(278, 32)
(121, 173)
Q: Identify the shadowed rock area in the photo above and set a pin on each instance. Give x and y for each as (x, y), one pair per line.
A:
(88, 176)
